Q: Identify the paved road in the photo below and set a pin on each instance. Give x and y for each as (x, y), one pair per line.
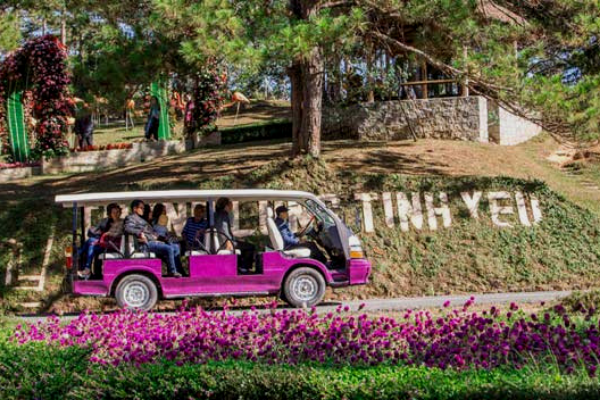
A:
(405, 303)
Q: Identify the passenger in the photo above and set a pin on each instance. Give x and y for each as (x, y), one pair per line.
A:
(149, 238)
(161, 228)
(147, 213)
(111, 240)
(158, 210)
(195, 226)
(291, 240)
(91, 249)
(223, 208)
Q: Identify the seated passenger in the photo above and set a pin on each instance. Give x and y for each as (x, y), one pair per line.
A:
(291, 240)
(223, 216)
(195, 226)
(91, 249)
(111, 240)
(136, 225)
(158, 210)
(164, 235)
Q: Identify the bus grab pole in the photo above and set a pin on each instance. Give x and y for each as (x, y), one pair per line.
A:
(75, 251)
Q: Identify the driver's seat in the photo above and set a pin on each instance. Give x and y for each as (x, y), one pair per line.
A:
(277, 239)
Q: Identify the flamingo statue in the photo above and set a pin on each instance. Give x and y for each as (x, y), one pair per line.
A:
(129, 111)
(237, 98)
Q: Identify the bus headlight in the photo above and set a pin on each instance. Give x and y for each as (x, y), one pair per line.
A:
(356, 250)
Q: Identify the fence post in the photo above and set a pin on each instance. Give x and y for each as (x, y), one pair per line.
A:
(14, 263)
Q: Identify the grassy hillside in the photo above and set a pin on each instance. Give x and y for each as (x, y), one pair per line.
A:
(562, 251)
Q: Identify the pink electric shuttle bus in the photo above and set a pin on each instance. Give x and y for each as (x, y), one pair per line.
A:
(137, 278)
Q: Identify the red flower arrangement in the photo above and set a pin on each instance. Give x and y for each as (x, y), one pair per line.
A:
(201, 114)
(40, 65)
(110, 146)
(19, 165)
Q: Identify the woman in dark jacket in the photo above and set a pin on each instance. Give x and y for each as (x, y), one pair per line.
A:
(84, 129)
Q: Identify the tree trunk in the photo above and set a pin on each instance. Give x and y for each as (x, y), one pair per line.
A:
(295, 74)
(312, 84)
(306, 77)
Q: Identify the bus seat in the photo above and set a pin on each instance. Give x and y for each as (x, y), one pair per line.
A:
(217, 243)
(136, 253)
(277, 239)
(114, 255)
(199, 252)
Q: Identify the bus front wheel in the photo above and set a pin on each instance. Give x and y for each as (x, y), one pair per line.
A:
(304, 287)
(136, 292)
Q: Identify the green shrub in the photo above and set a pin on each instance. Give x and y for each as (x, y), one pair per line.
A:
(256, 132)
(36, 371)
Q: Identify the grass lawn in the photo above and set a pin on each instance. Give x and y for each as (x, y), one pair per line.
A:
(118, 134)
(255, 113)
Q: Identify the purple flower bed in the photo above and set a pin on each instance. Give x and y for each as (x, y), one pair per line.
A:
(459, 339)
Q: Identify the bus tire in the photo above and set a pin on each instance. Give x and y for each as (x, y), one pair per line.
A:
(136, 292)
(304, 287)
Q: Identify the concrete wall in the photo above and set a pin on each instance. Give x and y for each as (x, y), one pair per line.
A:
(459, 118)
(508, 129)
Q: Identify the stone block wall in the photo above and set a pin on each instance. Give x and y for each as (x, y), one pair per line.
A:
(459, 118)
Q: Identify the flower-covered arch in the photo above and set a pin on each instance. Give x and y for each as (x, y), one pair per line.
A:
(36, 74)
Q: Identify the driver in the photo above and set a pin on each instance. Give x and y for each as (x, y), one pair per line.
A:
(291, 240)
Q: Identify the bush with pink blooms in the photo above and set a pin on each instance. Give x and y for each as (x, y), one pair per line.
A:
(460, 339)
(39, 66)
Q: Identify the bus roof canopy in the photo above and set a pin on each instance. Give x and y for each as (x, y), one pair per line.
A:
(90, 199)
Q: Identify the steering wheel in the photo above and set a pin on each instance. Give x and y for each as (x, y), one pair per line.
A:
(303, 230)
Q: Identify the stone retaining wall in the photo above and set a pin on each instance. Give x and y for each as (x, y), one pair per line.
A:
(460, 118)
(141, 152)
(13, 174)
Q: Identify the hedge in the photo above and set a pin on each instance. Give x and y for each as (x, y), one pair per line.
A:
(42, 372)
(256, 132)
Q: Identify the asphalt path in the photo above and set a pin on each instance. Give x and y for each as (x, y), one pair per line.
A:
(396, 304)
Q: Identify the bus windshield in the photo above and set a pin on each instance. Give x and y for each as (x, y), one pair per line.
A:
(321, 213)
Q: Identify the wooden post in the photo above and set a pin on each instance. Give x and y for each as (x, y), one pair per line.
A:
(464, 86)
(424, 87)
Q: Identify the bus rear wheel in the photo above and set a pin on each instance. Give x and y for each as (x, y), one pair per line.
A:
(304, 287)
(136, 292)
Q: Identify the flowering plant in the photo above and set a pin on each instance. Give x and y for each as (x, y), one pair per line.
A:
(202, 112)
(110, 146)
(41, 65)
(459, 339)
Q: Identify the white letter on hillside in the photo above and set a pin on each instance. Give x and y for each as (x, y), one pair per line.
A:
(406, 211)
(388, 209)
(331, 198)
(522, 209)
(177, 217)
(262, 217)
(535, 208)
(472, 203)
(497, 210)
(366, 199)
(432, 211)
